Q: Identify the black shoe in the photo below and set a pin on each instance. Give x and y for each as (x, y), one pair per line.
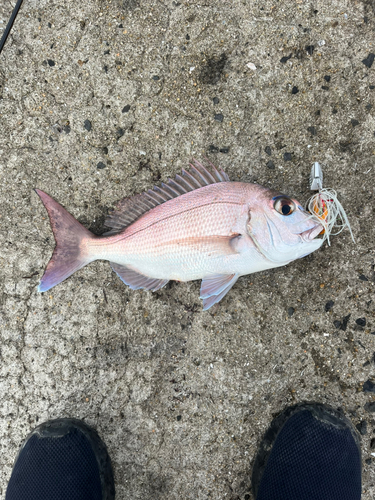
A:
(310, 452)
(62, 459)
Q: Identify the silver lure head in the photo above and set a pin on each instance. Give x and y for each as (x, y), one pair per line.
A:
(281, 229)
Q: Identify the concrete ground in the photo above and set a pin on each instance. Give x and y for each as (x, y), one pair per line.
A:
(103, 99)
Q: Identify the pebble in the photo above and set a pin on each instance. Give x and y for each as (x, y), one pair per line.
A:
(361, 321)
(224, 150)
(354, 122)
(251, 66)
(270, 164)
(362, 427)
(324, 87)
(105, 150)
(372, 87)
(126, 108)
(268, 150)
(100, 165)
(295, 90)
(179, 418)
(219, 117)
(312, 130)
(329, 305)
(327, 78)
(51, 62)
(215, 100)
(369, 60)
(187, 37)
(285, 59)
(87, 125)
(310, 49)
(368, 386)
(213, 149)
(342, 324)
(67, 129)
(362, 277)
(156, 78)
(288, 156)
(291, 311)
(372, 443)
(120, 132)
(370, 407)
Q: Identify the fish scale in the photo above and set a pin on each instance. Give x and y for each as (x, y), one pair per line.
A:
(172, 240)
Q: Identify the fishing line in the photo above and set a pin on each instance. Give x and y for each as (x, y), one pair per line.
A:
(324, 206)
(10, 24)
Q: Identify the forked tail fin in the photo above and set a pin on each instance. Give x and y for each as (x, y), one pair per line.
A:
(70, 253)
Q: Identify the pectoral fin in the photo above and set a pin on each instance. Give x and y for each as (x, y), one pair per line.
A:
(136, 280)
(213, 288)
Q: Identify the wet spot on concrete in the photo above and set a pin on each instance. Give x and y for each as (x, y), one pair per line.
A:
(212, 71)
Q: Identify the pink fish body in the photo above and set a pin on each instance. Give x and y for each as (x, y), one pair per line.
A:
(199, 226)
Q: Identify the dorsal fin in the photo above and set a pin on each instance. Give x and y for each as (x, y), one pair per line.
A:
(130, 209)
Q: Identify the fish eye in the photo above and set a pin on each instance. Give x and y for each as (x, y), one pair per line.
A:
(285, 206)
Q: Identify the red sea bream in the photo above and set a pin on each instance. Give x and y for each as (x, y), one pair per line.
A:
(198, 226)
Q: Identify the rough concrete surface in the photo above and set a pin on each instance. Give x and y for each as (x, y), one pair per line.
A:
(103, 99)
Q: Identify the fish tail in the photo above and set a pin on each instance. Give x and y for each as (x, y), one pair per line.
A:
(71, 252)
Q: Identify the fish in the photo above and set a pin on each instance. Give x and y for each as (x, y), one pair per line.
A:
(199, 225)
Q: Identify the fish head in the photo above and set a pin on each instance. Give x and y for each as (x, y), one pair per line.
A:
(281, 229)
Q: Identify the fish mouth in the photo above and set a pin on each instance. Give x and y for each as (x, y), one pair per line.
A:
(312, 233)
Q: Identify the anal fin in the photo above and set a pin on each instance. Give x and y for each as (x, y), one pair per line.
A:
(215, 287)
(135, 280)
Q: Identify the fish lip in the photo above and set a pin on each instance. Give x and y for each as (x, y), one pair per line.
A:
(312, 233)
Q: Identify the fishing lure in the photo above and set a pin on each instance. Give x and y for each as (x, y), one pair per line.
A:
(325, 206)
